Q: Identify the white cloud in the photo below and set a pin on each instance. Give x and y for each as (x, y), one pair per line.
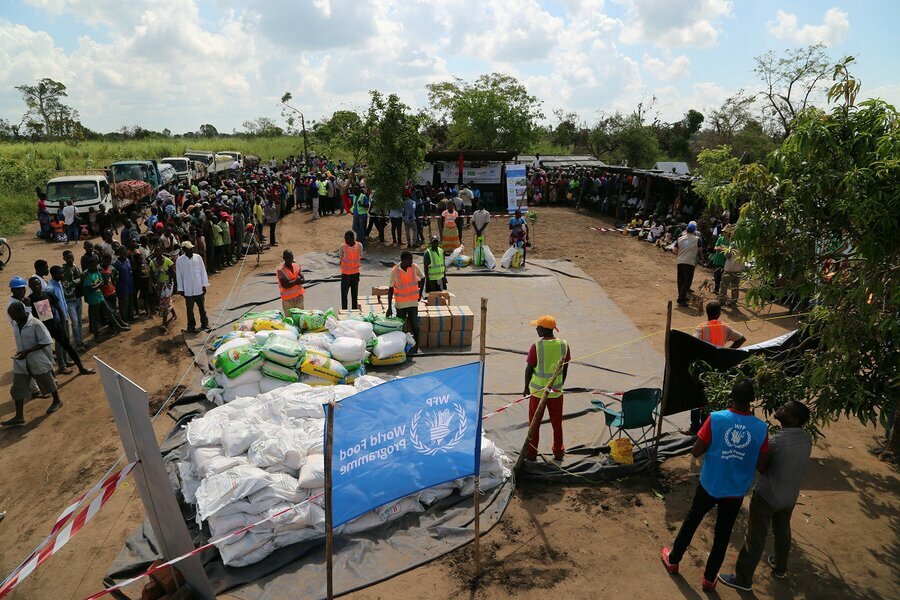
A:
(890, 93)
(180, 63)
(667, 69)
(834, 29)
(674, 23)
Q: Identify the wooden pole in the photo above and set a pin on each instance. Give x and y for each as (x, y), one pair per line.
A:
(477, 496)
(665, 393)
(536, 422)
(329, 530)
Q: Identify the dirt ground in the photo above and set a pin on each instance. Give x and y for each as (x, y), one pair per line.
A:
(580, 541)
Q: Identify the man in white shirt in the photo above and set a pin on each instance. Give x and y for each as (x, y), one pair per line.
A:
(468, 197)
(33, 360)
(480, 219)
(191, 281)
(69, 214)
(686, 248)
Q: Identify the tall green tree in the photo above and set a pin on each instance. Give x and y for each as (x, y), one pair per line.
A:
(43, 100)
(619, 138)
(46, 114)
(396, 149)
(208, 130)
(716, 168)
(792, 82)
(345, 129)
(495, 112)
(820, 226)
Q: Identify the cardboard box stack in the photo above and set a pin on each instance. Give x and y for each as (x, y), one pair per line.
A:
(443, 325)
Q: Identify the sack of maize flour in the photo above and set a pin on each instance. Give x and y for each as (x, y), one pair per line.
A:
(283, 351)
(394, 359)
(478, 254)
(239, 360)
(280, 372)
(389, 344)
(317, 341)
(382, 324)
(317, 365)
(310, 320)
(348, 349)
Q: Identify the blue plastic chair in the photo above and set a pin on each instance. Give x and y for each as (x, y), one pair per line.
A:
(638, 411)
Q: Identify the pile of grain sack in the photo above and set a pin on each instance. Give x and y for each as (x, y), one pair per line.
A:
(263, 453)
(268, 350)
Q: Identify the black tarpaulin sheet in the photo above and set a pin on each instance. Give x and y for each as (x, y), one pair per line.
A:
(608, 356)
(685, 389)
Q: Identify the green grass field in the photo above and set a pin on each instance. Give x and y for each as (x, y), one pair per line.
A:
(23, 166)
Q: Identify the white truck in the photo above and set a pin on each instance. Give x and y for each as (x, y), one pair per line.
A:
(215, 162)
(183, 168)
(85, 192)
(233, 157)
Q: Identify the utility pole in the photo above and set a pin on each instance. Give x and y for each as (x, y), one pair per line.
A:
(284, 100)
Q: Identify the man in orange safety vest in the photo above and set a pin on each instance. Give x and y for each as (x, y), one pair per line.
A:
(290, 283)
(405, 291)
(717, 333)
(350, 254)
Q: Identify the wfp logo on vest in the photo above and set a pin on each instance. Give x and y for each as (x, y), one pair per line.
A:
(437, 427)
(737, 437)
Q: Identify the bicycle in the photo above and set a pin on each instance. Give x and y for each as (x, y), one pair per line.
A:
(5, 253)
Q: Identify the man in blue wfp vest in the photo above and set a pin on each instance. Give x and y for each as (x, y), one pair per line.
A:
(735, 443)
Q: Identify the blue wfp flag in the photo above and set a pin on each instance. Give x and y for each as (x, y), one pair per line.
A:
(404, 436)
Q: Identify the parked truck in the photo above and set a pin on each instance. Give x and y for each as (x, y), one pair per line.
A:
(137, 180)
(183, 168)
(215, 162)
(233, 157)
(85, 191)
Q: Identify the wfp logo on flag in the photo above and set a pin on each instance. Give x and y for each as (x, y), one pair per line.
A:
(404, 436)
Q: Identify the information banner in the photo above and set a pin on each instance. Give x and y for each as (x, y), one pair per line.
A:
(516, 188)
(403, 436)
(489, 173)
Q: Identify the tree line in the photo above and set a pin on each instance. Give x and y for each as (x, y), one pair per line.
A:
(496, 112)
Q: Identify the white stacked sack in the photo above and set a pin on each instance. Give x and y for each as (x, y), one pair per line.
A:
(259, 455)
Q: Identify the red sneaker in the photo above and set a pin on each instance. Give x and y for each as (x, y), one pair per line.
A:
(708, 586)
(671, 567)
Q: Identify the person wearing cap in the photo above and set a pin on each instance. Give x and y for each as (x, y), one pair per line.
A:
(33, 360)
(543, 358)
(290, 282)
(686, 248)
(405, 291)
(434, 266)
(191, 282)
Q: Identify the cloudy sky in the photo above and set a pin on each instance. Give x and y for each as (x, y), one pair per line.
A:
(179, 63)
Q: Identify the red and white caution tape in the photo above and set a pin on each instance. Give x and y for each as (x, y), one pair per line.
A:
(196, 551)
(68, 524)
(502, 408)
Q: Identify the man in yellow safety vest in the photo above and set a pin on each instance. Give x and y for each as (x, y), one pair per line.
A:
(435, 269)
(405, 292)
(543, 358)
(290, 282)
